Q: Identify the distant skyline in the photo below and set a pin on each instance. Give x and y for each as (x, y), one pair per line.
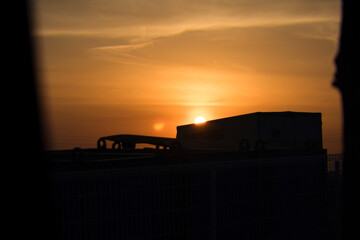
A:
(145, 67)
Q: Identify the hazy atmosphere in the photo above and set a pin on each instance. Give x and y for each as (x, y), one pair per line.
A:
(145, 67)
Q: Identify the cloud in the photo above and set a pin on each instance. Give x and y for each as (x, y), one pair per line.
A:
(120, 48)
(124, 54)
(256, 48)
(144, 20)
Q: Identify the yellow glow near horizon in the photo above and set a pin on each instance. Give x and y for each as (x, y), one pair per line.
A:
(159, 126)
(200, 119)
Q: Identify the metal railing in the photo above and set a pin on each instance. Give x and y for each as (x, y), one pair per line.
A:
(335, 163)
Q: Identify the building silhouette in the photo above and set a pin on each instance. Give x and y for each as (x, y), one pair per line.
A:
(190, 195)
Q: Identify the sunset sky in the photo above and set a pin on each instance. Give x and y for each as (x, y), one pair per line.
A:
(144, 67)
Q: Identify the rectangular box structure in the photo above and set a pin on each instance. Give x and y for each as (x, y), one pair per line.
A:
(255, 131)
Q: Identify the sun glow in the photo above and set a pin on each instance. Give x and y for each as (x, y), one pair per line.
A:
(200, 120)
(159, 126)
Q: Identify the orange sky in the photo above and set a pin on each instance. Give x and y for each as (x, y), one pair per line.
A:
(145, 67)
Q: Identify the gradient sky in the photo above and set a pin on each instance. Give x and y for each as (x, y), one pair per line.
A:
(145, 67)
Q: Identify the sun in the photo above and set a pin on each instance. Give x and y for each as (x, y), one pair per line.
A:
(200, 120)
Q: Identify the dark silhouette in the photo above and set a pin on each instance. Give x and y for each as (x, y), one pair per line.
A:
(126, 141)
(25, 172)
(255, 131)
(347, 75)
(347, 79)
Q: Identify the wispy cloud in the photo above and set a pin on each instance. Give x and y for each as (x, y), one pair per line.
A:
(123, 54)
(140, 24)
(144, 20)
(120, 48)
